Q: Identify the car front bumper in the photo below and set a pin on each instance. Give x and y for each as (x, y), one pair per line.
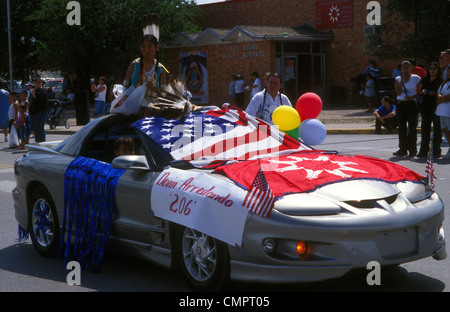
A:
(337, 243)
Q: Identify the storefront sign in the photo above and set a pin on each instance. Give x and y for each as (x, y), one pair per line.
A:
(245, 50)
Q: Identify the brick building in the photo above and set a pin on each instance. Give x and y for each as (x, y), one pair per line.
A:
(320, 43)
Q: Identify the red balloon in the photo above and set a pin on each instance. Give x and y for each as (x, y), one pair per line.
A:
(309, 106)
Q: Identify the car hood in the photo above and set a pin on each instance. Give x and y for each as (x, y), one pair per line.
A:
(357, 190)
(351, 195)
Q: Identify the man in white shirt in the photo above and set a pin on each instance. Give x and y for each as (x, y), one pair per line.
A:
(256, 85)
(265, 102)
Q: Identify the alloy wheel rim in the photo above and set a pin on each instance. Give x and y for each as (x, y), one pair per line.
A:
(199, 254)
(42, 221)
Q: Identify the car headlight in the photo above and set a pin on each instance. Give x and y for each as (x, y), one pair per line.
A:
(269, 245)
(306, 205)
(414, 192)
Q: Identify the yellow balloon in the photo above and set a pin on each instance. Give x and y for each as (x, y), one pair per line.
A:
(286, 118)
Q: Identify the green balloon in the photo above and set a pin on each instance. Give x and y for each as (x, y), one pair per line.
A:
(293, 133)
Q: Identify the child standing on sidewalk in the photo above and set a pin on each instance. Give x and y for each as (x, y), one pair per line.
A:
(24, 101)
(20, 125)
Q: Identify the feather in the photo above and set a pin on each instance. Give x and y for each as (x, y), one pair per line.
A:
(150, 25)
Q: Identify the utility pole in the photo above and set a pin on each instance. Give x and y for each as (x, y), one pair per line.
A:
(8, 10)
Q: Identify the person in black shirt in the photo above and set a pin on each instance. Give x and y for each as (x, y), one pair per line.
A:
(428, 89)
(38, 110)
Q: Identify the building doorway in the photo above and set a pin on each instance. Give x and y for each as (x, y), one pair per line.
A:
(302, 73)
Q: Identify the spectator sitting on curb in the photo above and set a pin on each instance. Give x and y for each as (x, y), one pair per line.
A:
(385, 115)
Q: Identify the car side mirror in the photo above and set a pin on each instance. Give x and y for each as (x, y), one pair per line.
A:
(135, 162)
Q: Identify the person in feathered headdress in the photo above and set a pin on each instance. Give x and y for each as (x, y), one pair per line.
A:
(144, 90)
(145, 70)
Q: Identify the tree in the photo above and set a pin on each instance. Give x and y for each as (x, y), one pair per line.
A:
(409, 29)
(23, 40)
(108, 35)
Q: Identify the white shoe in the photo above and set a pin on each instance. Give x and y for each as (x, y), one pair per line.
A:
(6, 139)
(447, 156)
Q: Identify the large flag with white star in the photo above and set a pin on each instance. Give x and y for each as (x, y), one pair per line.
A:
(307, 170)
(213, 136)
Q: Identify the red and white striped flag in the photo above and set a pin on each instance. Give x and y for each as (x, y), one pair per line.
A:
(430, 170)
(259, 198)
(212, 136)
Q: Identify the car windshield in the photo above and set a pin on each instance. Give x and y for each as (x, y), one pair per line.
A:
(51, 83)
(217, 134)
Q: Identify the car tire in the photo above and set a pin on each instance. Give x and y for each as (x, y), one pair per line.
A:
(43, 223)
(204, 260)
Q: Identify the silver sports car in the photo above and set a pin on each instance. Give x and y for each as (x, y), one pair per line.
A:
(187, 198)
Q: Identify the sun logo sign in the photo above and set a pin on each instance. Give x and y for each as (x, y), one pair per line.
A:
(334, 14)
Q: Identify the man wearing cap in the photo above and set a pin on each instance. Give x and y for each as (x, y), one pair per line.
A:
(444, 62)
(38, 110)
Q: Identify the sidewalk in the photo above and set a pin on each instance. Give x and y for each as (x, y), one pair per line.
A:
(338, 119)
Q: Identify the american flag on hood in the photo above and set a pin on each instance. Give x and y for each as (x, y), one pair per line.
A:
(259, 199)
(431, 177)
(212, 136)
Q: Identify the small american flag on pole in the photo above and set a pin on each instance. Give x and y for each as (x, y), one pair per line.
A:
(430, 170)
(259, 198)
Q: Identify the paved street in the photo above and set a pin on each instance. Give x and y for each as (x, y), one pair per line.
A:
(22, 269)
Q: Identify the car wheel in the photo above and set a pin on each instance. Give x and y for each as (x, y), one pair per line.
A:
(44, 224)
(203, 259)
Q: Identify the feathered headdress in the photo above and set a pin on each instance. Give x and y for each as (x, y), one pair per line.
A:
(150, 25)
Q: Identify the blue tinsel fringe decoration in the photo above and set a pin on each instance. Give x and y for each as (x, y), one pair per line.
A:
(22, 234)
(89, 194)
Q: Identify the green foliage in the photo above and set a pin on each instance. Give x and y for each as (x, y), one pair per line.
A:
(108, 37)
(22, 39)
(418, 29)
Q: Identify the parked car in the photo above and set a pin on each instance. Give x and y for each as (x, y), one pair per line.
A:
(181, 208)
(51, 84)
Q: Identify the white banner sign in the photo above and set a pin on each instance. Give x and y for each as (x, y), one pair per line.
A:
(199, 201)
